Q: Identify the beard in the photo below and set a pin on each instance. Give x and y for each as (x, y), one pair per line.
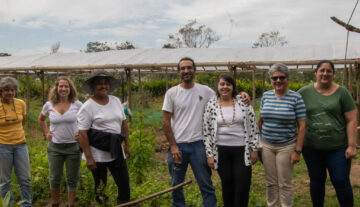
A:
(187, 80)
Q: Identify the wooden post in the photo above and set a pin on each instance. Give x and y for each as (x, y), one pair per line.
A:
(253, 88)
(357, 78)
(27, 99)
(350, 80)
(346, 76)
(42, 78)
(166, 79)
(128, 77)
(234, 73)
(263, 82)
(122, 87)
(140, 91)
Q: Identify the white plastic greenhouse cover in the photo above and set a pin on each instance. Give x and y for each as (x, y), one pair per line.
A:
(140, 57)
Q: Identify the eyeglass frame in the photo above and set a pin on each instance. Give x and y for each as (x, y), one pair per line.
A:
(275, 78)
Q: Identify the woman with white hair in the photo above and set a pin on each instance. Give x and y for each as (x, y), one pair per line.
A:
(13, 150)
(282, 124)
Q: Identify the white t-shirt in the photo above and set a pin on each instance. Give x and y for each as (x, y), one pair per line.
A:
(232, 135)
(187, 107)
(106, 118)
(63, 127)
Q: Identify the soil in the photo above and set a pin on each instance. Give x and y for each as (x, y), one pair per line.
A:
(355, 172)
(162, 145)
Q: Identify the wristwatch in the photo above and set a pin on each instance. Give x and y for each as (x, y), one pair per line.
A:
(298, 152)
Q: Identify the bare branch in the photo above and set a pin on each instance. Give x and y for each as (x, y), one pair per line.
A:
(55, 47)
(348, 27)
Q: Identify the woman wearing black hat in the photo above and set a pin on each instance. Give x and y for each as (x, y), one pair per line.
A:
(101, 120)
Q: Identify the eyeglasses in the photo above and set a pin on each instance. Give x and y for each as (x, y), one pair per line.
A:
(13, 109)
(275, 78)
(186, 67)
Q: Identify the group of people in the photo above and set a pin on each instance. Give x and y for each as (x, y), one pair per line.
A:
(206, 129)
(97, 128)
(218, 130)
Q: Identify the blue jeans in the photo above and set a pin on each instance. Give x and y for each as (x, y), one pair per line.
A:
(193, 153)
(339, 170)
(16, 156)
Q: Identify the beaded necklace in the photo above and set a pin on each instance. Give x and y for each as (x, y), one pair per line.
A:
(222, 116)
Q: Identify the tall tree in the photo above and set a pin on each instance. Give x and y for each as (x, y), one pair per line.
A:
(3, 54)
(104, 46)
(192, 36)
(270, 39)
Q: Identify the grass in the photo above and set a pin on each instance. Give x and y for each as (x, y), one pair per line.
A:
(157, 177)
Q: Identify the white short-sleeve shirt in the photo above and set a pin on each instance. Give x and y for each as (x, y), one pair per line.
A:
(187, 107)
(63, 127)
(106, 118)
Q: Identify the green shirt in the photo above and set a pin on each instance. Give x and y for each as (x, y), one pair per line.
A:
(326, 123)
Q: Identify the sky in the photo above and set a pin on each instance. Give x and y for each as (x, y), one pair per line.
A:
(33, 26)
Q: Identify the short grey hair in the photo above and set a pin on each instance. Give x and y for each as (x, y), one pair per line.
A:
(9, 82)
(279, 67)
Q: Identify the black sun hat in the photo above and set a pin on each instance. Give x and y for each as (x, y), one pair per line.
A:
(87, 85)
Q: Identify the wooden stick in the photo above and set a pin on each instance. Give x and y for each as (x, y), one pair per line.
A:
(27, 99)
(348, 27)
(253, 89)
(155, 194)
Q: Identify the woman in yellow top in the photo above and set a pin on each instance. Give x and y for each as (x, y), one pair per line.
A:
(13, 150)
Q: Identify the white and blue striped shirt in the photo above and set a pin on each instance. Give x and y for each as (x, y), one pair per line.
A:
(279, 116)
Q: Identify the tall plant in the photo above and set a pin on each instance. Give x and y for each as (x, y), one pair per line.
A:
(142, 148)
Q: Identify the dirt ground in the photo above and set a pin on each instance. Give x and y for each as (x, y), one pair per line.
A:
(355, 172)
(161, 153)
(162, 147)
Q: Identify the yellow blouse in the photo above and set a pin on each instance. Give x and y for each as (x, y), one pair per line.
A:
(11, 118)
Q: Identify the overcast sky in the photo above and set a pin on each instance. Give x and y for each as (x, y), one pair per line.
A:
(32, 26)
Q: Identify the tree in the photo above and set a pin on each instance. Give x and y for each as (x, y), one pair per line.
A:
(97, 47)
(125, 46)
(55, 47)
(271, 39)
(104, 46)
(191, 36)
(3, 54)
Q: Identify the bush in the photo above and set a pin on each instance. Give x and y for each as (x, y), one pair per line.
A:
(157, 87)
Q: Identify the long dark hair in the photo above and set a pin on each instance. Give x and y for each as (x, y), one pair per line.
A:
(229, 79)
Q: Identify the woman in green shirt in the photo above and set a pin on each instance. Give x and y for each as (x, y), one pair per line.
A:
(330, 140)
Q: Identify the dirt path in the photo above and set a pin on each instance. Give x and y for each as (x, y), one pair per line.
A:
(355, 172)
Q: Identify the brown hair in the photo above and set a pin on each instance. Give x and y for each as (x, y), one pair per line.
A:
(54, 96)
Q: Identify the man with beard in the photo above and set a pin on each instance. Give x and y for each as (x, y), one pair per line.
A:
(183, 110)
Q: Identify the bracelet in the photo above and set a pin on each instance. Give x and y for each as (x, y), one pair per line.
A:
(298, 152)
